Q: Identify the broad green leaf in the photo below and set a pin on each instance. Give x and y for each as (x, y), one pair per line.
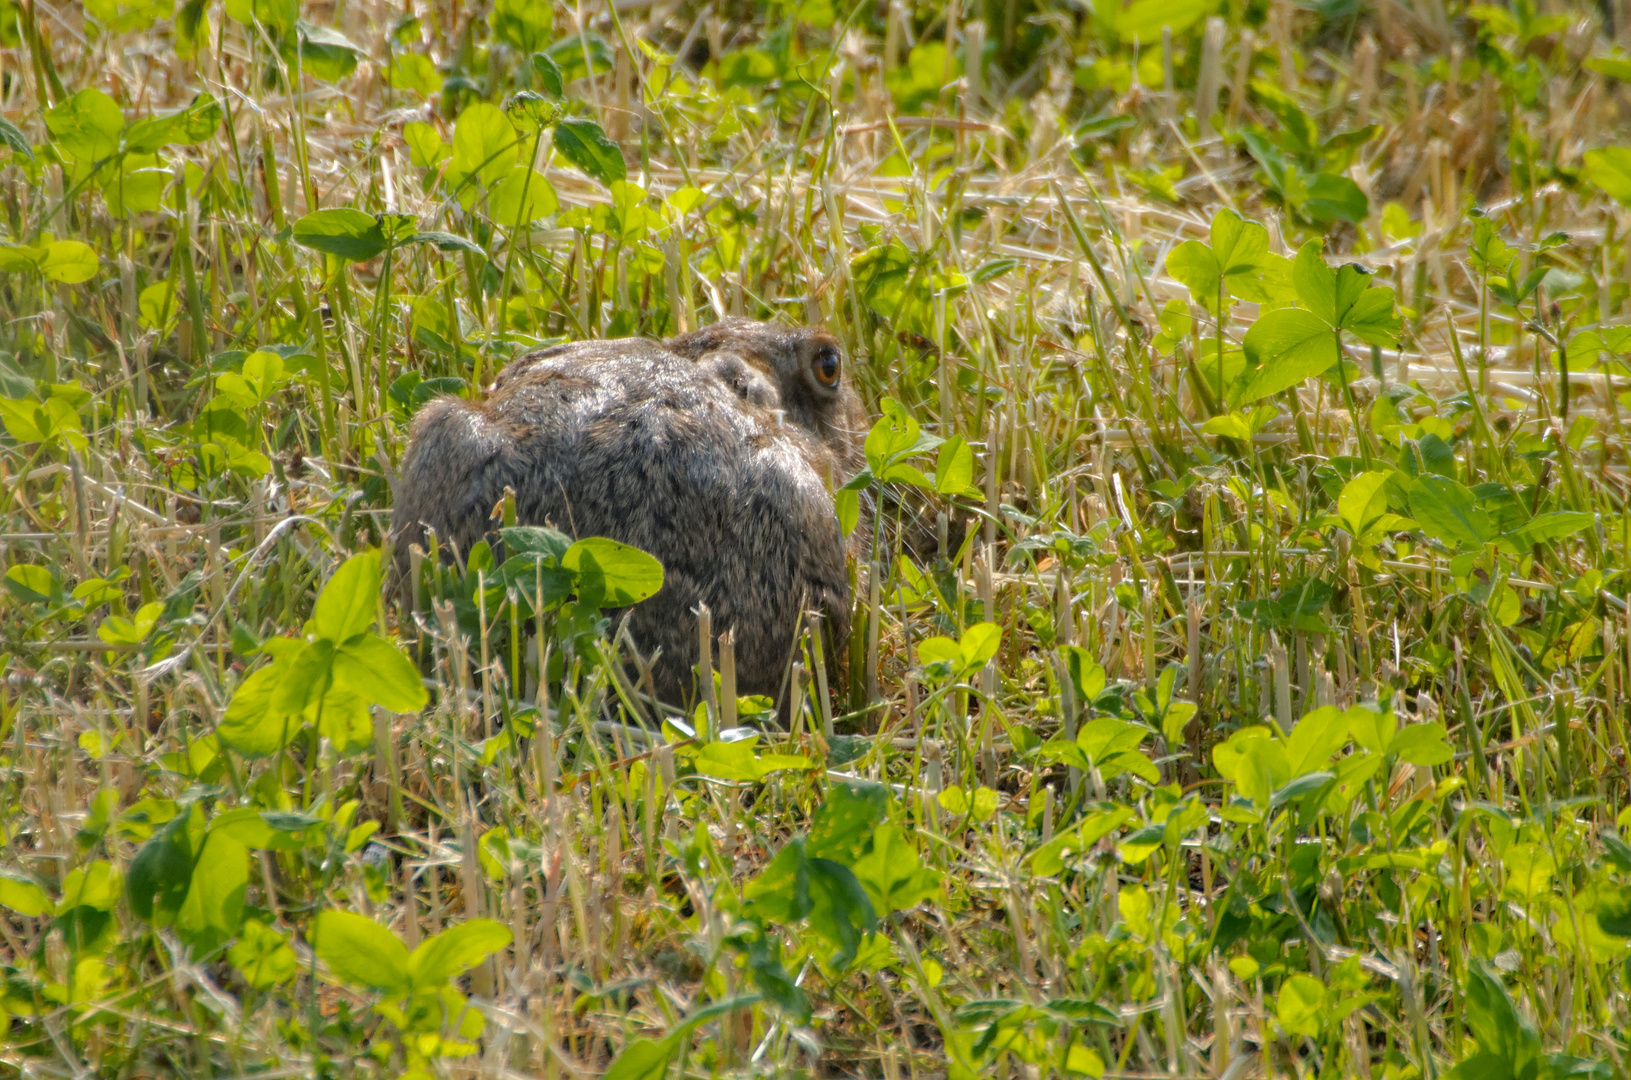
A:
(304, 679)
(350, 600)
(484, 145)
(641, 1059)
(522, 24)
(249, 725)
(426, 150)
(194, 124)
(549, 74)
(1371, 317)
(979, 644)
(1609, 170)
(840, 910)
(891, 875)
(1363, 500)
(1316, 283)
(1445, 510)
(343, 232)
(359, 951)
(1301, 1005)
(162, 870)
(1286, 346)
(584, 144)
(22, 894)
(781, 892)
(33, 584)
(326, 54)
(213, 909)
(522, 197)
(416, 73)
(1315, 740)
(610, 574)
(954, 468)
(455, 951)
(1421, 744)
(1548, 527)
(96, 885)
(69, 262)
(844, 823)
(87, 126)
(379, 673)
(263, 956)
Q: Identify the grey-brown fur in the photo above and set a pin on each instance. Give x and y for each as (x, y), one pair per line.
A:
(715, 452)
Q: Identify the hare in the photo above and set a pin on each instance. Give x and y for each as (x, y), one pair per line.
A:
(716, 452)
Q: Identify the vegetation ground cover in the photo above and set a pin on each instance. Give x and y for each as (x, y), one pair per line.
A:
(1239, 666)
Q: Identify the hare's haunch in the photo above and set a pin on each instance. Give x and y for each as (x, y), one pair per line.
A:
(716, 453)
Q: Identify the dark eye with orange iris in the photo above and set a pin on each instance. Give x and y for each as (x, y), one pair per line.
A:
(826, 366)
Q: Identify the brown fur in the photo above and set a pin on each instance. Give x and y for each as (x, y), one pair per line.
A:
(716, 452)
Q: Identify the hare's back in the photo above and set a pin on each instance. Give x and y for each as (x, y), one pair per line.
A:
(652, 452)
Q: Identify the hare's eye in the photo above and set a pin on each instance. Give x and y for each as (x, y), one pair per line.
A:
(826, 366)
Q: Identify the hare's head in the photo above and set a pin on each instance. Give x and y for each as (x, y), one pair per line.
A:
(804, 365)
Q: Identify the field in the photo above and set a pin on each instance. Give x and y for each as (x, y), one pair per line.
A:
(1238, 676)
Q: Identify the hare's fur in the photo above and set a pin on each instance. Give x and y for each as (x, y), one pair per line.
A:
(716, 452)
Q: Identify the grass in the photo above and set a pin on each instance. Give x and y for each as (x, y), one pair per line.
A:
(1230, 710)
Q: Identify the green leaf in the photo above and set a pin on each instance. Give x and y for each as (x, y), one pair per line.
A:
(33, 584)
(343, 232)
(1286, 346)
(584, 144)
(87, 126)
(360, 951)
(1609, 170)
(843, 824)
(12, 137)
(1363, 500)
(1316, 283)
(641, 1059)
(213, 909)
(483, 146)
(1613, 911)
(446, 241)
(549, 74)
(1496, 1024)
(847, 503)
(69, 261)
(1301, 1005)
(426, 150)
(189, 126)
(954, 468)
(415, 73)
(380, 673)
(522, 24)
(22, 894)
(611, 574)
(891, 875)
(1372, 319)
(1445, 511)
(249, 725)
(326, 54)
(455, 951)
(1549, 527)
(349, 602)
(263, 956)
(839, 909)
(978, 645)
(522, 197)
(159, 875)
(1421, 744)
